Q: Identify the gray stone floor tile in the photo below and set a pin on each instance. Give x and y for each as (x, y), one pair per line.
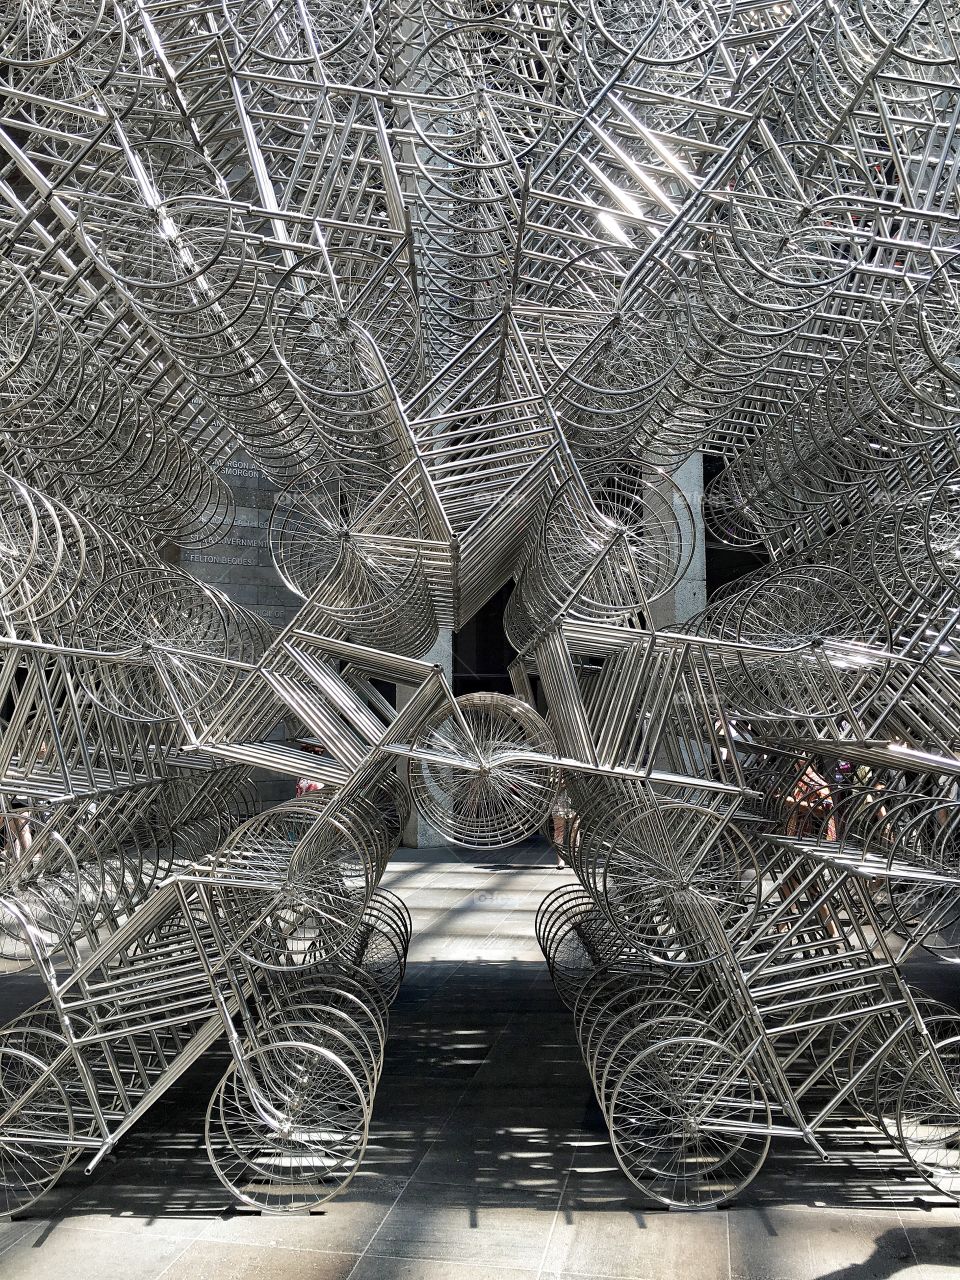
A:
(57, 1251)
(414, 1102)
(588, 1275)
(621, 1240)
(508, 1149)
(344, 1226)
(469, 1223)
(575, 1275)
(179, 1209)
(934, 1237)
(12, 1231)
(817, 1244)
(216, 1260)
(436, 898)
(379, 1268)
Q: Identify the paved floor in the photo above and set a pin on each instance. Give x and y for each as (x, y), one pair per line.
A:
(488, 1158)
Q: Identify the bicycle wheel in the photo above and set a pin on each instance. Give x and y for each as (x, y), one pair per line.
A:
(310, 1148)
(36, 1135)
(470, 785)
(928, 1116)
(942, 1023)
(690, 1122)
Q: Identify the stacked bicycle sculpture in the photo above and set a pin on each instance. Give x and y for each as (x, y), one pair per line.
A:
(469, 283)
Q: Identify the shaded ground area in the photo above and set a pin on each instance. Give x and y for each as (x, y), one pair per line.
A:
(488, 1157)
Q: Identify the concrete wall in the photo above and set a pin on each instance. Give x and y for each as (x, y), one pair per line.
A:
(241, 564)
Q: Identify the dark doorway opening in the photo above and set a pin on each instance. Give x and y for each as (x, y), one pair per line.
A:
(481, 650)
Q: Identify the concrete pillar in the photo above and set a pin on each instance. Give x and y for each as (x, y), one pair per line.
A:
(241, 566)
(689, 596)
(418, 834)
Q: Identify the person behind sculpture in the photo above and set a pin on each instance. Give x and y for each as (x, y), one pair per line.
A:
(306, 785)
(811, 805)
(561, 815)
